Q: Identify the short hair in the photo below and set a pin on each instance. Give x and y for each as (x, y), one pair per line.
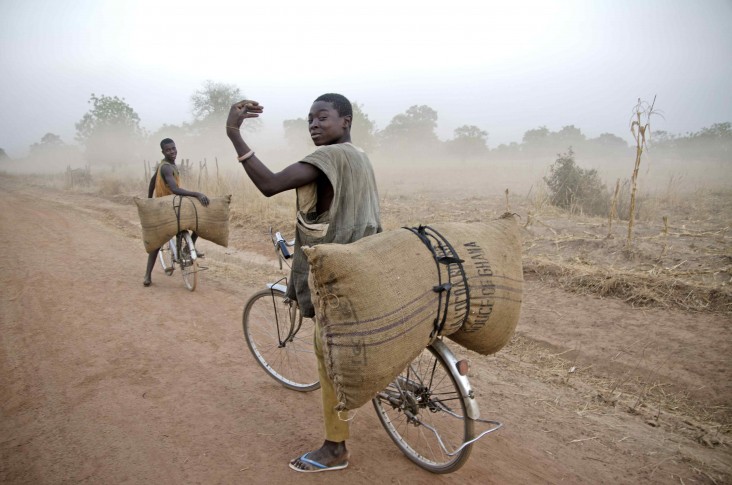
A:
(340, 103)
(165, 141)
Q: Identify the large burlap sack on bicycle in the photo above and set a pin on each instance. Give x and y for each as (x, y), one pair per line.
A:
(159, 221)
(376, 304)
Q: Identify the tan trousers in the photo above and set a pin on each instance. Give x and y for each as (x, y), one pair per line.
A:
(336, 429)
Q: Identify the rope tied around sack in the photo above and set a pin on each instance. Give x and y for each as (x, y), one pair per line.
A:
(446, 259)
(177, 201)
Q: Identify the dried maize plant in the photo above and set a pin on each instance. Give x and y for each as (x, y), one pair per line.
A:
(640, 130)
(613, 210)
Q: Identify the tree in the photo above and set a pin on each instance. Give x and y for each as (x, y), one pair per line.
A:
(107, 114)
(363, 129)
(608, 145)
(110, 131)
(213, 101)
(568, 135)
(609, 140)
(53, 149)
(176, 132)
(3, 156)
(511, 149)
(297, 135)
(49, 141)
(536, 136)
(713, 143)
(411, 134)
(469, 141)
(536, 142)
(210, 107)
(719, 131)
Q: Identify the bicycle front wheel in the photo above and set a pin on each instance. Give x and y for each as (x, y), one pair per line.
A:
(188, 265)
(281, 340)
(424, 413)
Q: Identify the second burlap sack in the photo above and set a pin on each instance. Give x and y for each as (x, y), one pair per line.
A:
(376, 302)
(162, 217)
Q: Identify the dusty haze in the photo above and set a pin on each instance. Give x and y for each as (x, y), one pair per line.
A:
(521, 173)
(505, 67)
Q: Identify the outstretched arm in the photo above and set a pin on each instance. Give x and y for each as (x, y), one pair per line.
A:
(167, 173)
(269, 183)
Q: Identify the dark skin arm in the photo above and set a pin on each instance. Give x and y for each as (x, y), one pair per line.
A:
(270, 183)
(151, 187)
(167, 172)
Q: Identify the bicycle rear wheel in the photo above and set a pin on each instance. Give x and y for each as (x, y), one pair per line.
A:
(424, 413)
(166, 258)
(282, 345)
(188, 265)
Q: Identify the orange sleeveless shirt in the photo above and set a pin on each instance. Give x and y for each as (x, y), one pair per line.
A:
(161, 188)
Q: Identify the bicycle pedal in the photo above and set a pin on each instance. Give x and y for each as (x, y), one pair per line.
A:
(168, 271)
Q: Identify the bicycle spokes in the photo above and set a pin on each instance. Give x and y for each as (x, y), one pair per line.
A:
(281, 340)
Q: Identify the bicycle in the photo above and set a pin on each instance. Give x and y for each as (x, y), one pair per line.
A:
(429, 410)
(181, 251)
(277, 334)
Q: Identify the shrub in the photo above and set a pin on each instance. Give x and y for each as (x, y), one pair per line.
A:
(576, 189)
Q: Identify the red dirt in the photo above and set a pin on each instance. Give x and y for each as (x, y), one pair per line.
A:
(105, 381)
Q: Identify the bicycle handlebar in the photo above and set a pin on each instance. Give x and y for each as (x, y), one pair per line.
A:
(280, 241)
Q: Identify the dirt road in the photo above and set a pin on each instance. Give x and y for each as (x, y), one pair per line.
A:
(105, 381)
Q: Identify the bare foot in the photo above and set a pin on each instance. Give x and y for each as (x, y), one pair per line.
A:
(147, 281)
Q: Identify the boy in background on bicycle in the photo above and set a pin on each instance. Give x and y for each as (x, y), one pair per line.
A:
(337, 202)
(166, 181)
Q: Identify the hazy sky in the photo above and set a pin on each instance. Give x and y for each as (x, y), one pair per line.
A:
(505, 66)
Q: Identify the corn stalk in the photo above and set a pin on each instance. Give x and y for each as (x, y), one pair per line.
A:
(613, 210)
(640, 130)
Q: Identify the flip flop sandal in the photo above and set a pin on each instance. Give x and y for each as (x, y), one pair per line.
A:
(319, 467)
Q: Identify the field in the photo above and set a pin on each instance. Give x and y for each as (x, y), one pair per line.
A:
(619, 371)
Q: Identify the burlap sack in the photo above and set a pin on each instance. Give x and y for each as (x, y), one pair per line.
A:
(159, 220)
(376, 301)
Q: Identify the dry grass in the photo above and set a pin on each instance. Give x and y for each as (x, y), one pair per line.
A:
(629, 392)
(681, 259)
(681, 256)
(665, 288)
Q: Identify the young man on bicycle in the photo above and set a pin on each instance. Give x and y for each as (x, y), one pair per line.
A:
(337, 202)
(166, 181)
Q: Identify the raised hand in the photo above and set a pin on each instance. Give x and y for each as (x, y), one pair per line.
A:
(242, 110)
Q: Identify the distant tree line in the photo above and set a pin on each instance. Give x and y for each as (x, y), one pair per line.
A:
(110, 132)
(714, 142)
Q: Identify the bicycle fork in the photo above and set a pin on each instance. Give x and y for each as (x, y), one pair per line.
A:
(178, 244)
(294, 319)
(194, 254)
